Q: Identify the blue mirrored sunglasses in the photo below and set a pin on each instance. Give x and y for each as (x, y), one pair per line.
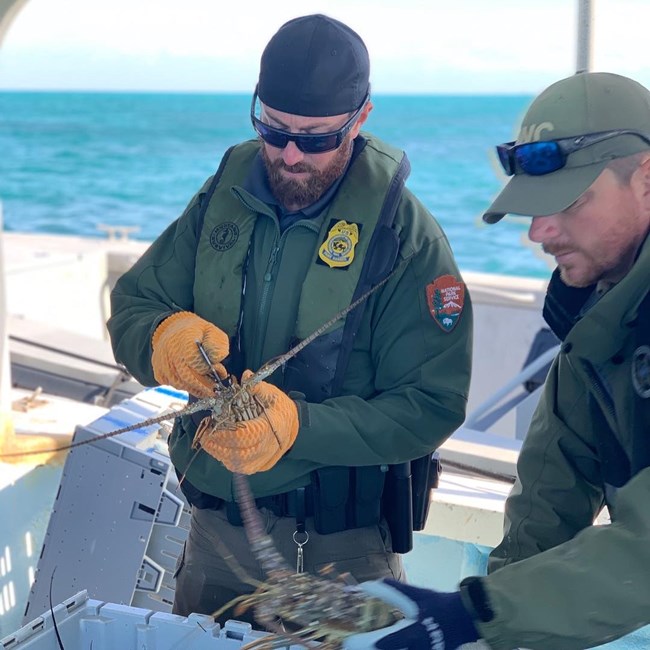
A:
(546, 156)
(306, 142)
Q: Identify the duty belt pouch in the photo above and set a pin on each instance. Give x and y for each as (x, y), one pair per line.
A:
(425, 473)
(398, 507)
(364, 505)
(331, 488)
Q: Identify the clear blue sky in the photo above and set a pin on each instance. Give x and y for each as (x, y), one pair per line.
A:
(416, 46)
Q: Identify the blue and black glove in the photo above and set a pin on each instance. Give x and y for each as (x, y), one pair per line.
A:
(433, 620)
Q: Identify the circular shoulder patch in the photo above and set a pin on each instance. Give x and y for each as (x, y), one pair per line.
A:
(224, 236)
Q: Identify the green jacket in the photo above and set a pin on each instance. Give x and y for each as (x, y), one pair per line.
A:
(581, 585)
(405, 389)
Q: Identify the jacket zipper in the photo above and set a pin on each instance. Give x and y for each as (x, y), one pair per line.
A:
(601, 391)
(263, 312)
(269, 281)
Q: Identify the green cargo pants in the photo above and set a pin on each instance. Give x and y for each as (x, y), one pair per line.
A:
(205, 580)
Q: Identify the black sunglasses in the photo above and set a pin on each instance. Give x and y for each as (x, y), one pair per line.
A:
(546, 156)
(306, 142)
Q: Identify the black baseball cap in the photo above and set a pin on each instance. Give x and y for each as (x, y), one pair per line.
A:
(314, 66)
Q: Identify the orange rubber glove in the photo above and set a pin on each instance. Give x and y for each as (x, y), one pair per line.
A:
(258, 444)
(176, 359)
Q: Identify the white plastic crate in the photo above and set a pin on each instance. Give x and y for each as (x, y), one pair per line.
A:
(119, 519)
(86, 623)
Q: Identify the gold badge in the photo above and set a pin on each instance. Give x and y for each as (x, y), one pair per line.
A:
(338, 249)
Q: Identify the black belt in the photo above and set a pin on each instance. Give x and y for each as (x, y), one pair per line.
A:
(297, 503)
(338, 498)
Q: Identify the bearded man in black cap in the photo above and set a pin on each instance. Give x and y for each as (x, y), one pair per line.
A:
(292, 228)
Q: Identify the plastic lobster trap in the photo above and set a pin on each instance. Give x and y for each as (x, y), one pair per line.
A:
(82, 622)
(119, 520)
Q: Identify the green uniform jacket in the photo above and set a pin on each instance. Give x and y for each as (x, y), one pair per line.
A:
(405, 389)
(581, 585)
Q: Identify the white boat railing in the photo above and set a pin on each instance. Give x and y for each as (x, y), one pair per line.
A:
(489, 405)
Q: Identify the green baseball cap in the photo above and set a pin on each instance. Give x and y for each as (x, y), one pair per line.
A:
(585, 103)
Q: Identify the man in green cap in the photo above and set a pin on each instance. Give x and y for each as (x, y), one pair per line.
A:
(294, 227)
(581, 169)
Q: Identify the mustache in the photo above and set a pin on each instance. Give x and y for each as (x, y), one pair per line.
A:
(298, 168)
(555, 249)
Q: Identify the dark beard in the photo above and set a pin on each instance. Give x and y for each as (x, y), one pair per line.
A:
(295, 195)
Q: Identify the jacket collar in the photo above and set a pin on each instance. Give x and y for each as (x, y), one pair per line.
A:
(595, 330)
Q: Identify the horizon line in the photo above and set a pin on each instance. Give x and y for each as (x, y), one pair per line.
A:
(402, 93)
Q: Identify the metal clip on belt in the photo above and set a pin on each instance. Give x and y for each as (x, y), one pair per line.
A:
(300, 535)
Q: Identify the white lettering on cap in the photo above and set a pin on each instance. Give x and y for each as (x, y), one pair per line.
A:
(533, 132)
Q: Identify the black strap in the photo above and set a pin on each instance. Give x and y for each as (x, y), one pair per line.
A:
(378, 263)
(641, 417)
(300, 510)
(208, 195)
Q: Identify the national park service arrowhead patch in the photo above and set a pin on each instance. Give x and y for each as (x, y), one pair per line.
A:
(446, 298)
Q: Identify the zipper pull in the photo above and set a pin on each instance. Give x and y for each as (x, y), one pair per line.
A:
(268, 276)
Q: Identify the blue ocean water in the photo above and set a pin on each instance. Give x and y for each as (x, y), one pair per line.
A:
(71, 161)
